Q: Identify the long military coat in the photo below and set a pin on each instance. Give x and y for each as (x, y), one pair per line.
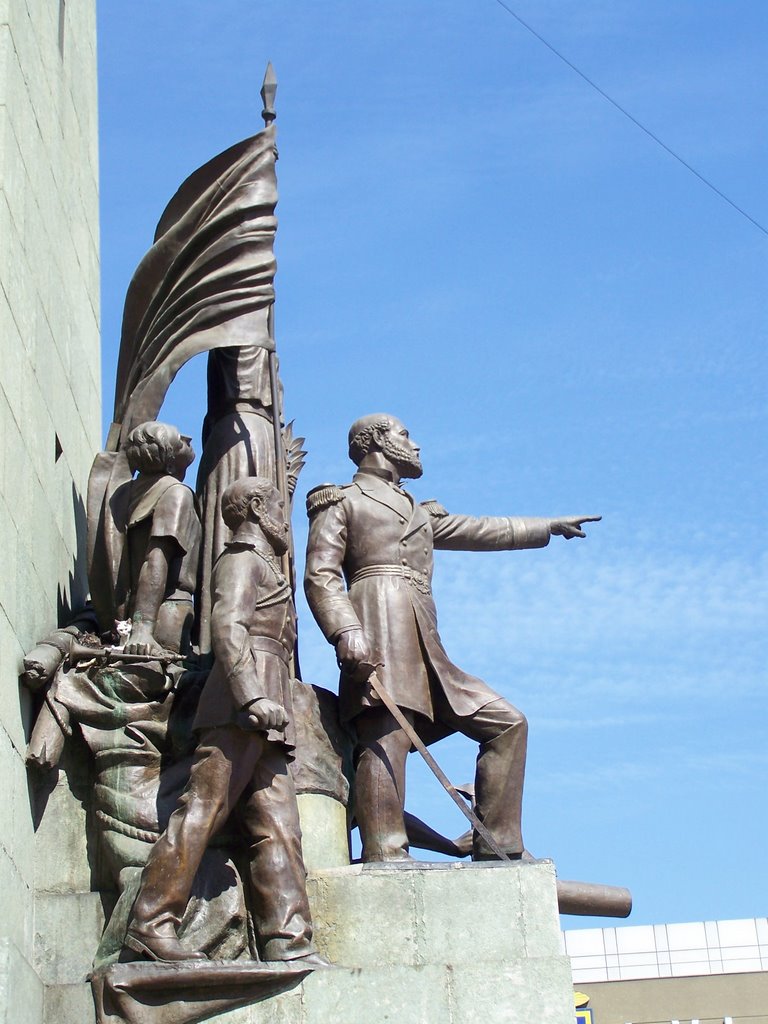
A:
(369, 564)
(253, 626)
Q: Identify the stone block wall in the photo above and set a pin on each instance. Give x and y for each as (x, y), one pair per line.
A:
(412, 943)
(49, 418)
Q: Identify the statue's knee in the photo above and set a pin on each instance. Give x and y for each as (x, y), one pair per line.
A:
(202, 810)
(513, 726)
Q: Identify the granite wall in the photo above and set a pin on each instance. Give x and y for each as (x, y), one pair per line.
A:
(49, 430)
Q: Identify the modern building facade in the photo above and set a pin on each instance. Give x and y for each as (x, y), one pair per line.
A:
(705, 971)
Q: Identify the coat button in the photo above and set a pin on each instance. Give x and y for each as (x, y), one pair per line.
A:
(402, 522)
(405, 561)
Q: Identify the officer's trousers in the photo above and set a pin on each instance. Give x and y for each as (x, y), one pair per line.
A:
(238, 771)
(502, 732)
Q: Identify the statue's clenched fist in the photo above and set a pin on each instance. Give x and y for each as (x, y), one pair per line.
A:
(265, 714)
(353, 653)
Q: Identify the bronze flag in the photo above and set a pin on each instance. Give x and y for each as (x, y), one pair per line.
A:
(207, 281)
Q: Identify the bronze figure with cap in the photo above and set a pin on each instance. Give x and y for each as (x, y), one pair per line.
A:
(245, 740)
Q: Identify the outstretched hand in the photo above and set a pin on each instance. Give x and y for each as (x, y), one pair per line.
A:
(266, 714)
(571, 526)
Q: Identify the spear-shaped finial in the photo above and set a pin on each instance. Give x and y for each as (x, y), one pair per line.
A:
(268, 90)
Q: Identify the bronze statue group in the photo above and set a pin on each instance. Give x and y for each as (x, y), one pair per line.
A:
(181, 674)
(368, 575)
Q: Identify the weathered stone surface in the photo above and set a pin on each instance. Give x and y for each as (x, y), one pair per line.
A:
(61, 842)
(17, 896)
(49, 327)
(491, 993)
(66, 925)
(69, 1004)
(434, 963)
(540, 920)
(323, 831)
(513, 913)
(489, 895)
(535, 989)
(462, 942)
(394, 995)
(347, 904)
(21, 991)
(16, 834)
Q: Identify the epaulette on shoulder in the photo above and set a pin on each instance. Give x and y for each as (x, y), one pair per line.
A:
(323, 496)
(434, 508)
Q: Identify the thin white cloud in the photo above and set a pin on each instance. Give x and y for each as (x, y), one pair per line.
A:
(602, 778)
(668, 767)
(612, 722)
(550, 630)
(636, 629)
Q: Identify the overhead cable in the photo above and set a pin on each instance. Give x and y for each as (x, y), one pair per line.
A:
(631, 117)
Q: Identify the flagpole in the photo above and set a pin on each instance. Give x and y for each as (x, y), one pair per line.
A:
(268, 92)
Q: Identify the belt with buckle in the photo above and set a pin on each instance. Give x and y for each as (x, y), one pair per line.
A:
(418, 579)
(270, 646)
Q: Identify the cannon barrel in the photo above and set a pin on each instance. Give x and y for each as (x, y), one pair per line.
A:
(591, 899)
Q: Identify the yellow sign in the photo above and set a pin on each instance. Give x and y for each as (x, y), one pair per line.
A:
(583, 1013)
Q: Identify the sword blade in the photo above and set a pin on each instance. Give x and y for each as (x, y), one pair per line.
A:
(380, 691)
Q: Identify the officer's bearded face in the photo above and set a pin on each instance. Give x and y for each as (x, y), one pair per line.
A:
(396, 444)
(273, 524)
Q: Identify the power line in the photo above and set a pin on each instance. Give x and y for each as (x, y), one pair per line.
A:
(627, 114)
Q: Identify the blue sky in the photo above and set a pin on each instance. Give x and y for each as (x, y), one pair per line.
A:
(567, 319)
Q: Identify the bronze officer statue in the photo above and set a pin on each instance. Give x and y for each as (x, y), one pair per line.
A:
(246, 738)
(368, 583)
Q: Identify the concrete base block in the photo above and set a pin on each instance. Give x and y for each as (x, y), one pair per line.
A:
(533, 992)
(65, 929)
(392, 995)
(416, 943)
(324, 831)
(61, 841)
(438, 943)
(416, 913)
(21, 991)
(535, 989)
(69, 1004)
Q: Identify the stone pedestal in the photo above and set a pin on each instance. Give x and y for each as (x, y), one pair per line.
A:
(441, 943)
(324, 831)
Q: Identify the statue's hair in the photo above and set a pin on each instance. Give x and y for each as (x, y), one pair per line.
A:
(361, 434)
(152, 447)
(239, 495)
